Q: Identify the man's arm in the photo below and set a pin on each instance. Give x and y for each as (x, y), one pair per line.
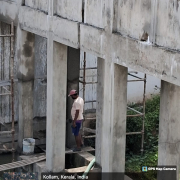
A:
(75, 118)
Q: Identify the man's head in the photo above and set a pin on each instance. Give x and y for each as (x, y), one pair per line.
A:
(73, 93)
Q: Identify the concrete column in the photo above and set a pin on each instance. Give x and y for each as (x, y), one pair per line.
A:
(111, 116)
(56, 105)
(73, 66)
(25, 55)
(99, 108)
(169, 127)
(52, 7)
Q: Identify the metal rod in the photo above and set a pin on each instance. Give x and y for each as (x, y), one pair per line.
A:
(135, 80)
(134, 110)
(135, 115)
(12, 87)
(133, 72)
(6, 35)
(131, 133)
(5, 132)
(93, 136)
(144, 104)
(91, 82)
(9, 150)
(88, 68)
(91, 118)
(89, 101)
(84, 84)
(6, 89)
(134, 76)
(5, 94)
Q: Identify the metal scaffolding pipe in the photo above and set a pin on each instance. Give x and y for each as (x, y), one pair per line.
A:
(93, 136)
(144, 101)
(135, 115)
(87, 82)
(134, 76)
(91, 118)
(135, 80)
(84, 84)
(134, 110)
(88, 68)
(5, 132)
(5, 94)
(89, 101)
(132, 133)
(7, 35)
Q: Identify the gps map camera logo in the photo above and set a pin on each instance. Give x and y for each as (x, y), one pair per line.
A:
(144, 168)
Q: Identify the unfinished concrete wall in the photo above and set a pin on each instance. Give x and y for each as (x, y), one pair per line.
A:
(94, 13)
(37, 4)
(132, 18)
(5, 111)
(167, 33)
(13, 0)
(66, 9)
(40, 81)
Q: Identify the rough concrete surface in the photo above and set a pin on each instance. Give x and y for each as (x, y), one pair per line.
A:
(112, 30)
(130, 25)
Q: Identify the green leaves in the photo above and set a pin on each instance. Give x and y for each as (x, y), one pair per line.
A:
(135, 161)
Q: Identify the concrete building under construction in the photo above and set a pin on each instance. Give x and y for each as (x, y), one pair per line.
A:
(142, 35)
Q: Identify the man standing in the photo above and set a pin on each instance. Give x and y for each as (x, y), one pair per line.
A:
(77, 117)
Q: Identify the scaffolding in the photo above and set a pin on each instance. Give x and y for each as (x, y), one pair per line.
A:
(9, 83)
(138, 114)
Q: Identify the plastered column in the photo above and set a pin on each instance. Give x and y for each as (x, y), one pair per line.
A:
(56, 105)
(169, 127)
(111, 116)
(25, 55)
(99, 107)
(56, 100)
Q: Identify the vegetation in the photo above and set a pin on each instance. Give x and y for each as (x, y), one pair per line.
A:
(134, 159)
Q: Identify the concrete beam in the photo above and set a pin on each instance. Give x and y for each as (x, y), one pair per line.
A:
(156, 61)
(91, 40)
(56, 105)
(169, 125)
(25, 55)
(40, 23)
(65, 31)
(33, 21)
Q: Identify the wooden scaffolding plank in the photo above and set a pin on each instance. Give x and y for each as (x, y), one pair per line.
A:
(27, 160)
(22, 163)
